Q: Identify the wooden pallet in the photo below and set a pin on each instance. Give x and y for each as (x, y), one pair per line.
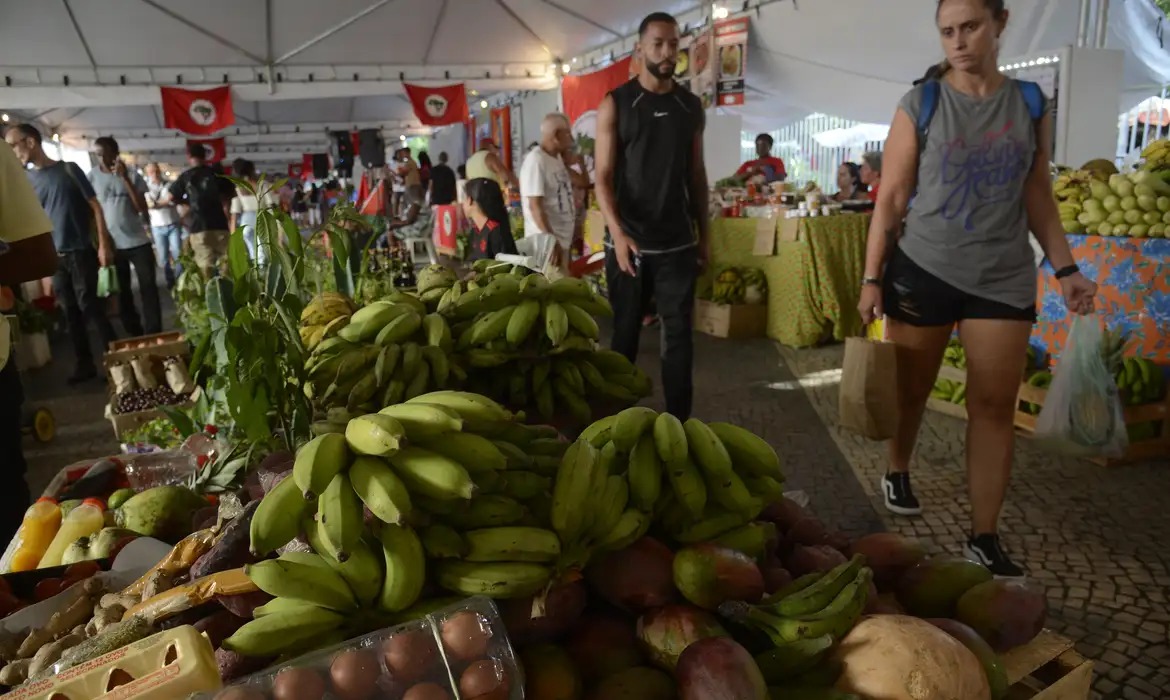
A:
(1025, 422)
(1048, 668)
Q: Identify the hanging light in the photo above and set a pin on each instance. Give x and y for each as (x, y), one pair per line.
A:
(483, 104)
(56, 138)
(719, 12)
(4, 117)
(402, 137)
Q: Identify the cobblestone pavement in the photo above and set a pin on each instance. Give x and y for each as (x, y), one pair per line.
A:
(1091, 536)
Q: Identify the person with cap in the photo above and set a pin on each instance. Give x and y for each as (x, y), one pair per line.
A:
(486, 162)
(871, 173)
(764, 165)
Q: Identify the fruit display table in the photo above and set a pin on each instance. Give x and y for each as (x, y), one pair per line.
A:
(1134, 279)
(813, 283)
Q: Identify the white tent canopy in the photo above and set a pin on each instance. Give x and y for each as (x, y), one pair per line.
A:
(85, 68)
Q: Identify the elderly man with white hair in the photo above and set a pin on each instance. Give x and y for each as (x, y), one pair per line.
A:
(546, 189)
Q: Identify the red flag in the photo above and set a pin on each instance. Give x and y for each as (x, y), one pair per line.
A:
(294, 170)
(584, 93)
(502, 133)
(438, 106)
(374, 203)
(201, 112)
(306, 165)
(215, 149)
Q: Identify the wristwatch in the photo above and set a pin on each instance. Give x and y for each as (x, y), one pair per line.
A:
(874, 281)
(1068, 271)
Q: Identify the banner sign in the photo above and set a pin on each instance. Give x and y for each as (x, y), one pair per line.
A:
(199, 112)
(294, 171)
(215, 149)
(582, 94)
(700, 69)
(446, 227)
(438, 106)
(731, 37)
(501, 119)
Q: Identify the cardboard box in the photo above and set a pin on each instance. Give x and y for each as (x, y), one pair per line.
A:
(731, 320)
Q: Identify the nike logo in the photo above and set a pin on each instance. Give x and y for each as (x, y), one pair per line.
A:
(661, 114)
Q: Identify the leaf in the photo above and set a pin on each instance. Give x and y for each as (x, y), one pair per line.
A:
(292, 235)
(184, 423)
(199, 355)
(238, 262)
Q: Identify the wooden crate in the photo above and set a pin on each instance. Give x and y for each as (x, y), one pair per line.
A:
(1026, 422)
(1048, 668)
(127, 343)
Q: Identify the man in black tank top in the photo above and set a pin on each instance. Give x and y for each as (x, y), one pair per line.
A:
(652, 189)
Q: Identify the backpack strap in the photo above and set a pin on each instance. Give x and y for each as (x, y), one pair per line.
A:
(1033, 97)
(930, 92)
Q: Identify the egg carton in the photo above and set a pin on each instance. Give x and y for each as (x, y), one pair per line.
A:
(461, 651)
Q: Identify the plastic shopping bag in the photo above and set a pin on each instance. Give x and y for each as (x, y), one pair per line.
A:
(107, 282)
(1082, 414)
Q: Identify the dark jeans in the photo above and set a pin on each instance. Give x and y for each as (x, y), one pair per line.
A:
(14, 496)
(75, 284)
(142, 258)
(668, 279)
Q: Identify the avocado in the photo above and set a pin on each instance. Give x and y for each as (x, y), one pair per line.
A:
(163, 512)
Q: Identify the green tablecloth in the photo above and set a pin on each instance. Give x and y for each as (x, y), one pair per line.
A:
(813, 283)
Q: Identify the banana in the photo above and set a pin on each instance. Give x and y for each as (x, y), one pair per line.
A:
(610, 507)
(273, 634)
(611, 461)
(423, 422)
(386, 364)
(599, 432)
(748, 451)
(281, 605)
(406, 568)
(419, 382)
(487, 511)
(477, 454)
(363, 391)
(318, 461)
(547, 447)
(534, 287)
(630, 527)
(486, 359)
(380, 489)
(339, 513)
(521, 322)
(319, 585)
(545, 401)
(784, 661)
(411, 361)
(321, 427)
(546, 465)
(611, 362)
(708, 452)
(493, 579)
(688, 485)
(504, 544)
(310, 336)
(491, 326)
(442, 542)
(399, 330)
(277, 519)
(556, 323)
(730, 493)
(571, 375)
(572, 401)
(362, 570)
(752, 539)
(820, 594)
(523, 485)
(580, 321)
(629, 425)
(571, 489)
(440, 366)
(479, 413)
(515, 457)
(432, 475)
(570, 289)
(369, 312)
(437, 331)
(766, 487)
(395, 390)
(374, 434)
(644, 473)
(596, 305)
(836, 619)
(450, 298)
(670, 440)
(709, 528)
(594, 382)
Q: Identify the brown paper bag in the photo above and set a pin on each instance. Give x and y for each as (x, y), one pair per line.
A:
(869, 388)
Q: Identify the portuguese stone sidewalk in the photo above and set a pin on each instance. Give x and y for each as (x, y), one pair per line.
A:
(1093, 537)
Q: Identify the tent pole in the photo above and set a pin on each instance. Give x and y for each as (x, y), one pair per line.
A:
(1083, 27)
(1102, 22)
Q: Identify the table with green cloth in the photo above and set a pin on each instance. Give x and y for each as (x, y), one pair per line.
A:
(813, 283)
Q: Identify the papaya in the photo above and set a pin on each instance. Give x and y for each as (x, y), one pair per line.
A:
(997, 678)
(932, 587)
(1006, 613)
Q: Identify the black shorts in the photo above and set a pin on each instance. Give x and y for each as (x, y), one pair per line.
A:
(912, 295)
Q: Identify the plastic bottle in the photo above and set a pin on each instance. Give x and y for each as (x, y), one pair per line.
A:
(82, 521)
(40, 525)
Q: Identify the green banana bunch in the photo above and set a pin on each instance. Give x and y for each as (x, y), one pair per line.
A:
(835, 619)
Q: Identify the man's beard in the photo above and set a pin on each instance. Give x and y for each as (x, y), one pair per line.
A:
(662, 71)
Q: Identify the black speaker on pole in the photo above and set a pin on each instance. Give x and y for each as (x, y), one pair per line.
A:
(320, 166)
(372, 148)
(344, 163)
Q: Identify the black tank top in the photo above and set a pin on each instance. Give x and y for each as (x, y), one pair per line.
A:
(654, 159)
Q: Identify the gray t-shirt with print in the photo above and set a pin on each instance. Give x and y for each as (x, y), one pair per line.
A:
(122, 219)
(968, 225)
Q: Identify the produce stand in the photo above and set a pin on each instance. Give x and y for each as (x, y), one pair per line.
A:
(813, 283)
(1048, 668)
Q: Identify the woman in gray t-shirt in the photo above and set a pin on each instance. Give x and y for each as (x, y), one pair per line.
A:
(978, 174)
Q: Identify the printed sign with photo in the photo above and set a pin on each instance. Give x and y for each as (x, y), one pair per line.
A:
(731, 37)
(700, 67)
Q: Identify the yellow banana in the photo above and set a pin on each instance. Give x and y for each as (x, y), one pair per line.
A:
(374, 434)
(476, 453)
(274, 634)
(406, 568)
(319, 585)
(380, 489)
(423, 422)
(670, 439)
(318, 461)
(707, 450)
(645, 474)
(331, 329)
(500, 580)
(277, 519)
(749, 452)
(505, 544)
(432, 475)
(339, 512)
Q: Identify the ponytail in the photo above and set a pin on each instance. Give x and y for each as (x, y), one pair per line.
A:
(490, 199)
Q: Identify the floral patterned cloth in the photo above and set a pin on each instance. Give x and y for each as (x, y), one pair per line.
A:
(1133, 275)
(813, 283)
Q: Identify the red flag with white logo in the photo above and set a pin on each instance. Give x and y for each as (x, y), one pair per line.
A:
(200, 112)
(438, 106)
(583, 93)
(215, 149)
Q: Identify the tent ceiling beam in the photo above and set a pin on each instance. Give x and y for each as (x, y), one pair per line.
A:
(331, 31)
(276, 131)
(577, 15)
(80, 34)
(204, 31)
(523, 25)
(269, 50)
(435, 32)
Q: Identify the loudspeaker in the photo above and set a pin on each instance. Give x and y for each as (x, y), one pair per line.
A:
(372, 148)
(344, 148)
(320, 166)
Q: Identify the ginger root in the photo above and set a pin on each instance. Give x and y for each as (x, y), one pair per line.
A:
(50, 653)
(15, 673)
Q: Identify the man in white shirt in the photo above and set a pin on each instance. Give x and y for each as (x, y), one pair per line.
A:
(164, 224)
(546, 189)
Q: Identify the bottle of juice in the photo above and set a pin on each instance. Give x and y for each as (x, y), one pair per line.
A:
(40, 525)
(82, 521)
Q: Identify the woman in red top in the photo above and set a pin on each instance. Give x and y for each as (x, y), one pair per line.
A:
(871, 173)
(491, 231)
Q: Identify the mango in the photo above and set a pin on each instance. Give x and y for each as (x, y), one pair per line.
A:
(549, 674)
(1006, 613)
(118, 498)
(163, 512)
(932, 587)
(638, 683)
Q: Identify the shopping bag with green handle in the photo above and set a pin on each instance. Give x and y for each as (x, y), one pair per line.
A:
(107, 281)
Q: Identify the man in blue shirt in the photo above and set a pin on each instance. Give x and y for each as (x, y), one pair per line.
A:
(69, 200)
(122, 193)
